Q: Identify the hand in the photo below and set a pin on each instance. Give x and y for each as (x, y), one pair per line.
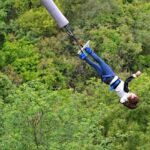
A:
(138, 73)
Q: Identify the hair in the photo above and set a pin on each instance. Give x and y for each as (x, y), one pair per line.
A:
(133, 99)
(132, 102)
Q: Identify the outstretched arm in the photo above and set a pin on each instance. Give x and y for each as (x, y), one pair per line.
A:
(137, 74)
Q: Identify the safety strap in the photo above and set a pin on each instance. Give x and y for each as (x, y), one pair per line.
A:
(87, 44)
(115, 84)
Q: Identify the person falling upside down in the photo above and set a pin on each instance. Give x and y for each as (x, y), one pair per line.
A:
(107, 75)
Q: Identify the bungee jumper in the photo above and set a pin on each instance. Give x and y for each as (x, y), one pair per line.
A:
(108, 76)
(105, 72)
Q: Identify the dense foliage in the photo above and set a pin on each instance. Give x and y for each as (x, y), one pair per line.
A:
(50, 99)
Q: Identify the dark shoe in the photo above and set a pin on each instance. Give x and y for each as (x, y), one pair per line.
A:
(88, 50)
(82, 55)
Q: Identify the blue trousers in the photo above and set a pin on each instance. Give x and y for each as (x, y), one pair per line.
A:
(103, 69)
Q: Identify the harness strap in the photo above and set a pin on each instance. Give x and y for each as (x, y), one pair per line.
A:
(115, 84)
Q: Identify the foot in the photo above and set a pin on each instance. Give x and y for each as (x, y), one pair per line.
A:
(81, 54)
(86, 48)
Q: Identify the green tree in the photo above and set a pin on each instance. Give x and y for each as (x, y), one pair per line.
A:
(5, 87)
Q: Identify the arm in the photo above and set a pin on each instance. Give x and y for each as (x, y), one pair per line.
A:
(126, 89)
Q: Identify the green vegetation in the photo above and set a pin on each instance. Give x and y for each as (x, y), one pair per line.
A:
(50, 99)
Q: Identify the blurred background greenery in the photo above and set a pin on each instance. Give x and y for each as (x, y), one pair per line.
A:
(50, 99)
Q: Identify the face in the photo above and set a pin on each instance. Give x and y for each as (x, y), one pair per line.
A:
(132, 96)
(132, 101)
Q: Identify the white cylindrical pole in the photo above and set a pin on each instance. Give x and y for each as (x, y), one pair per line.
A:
(55, 13)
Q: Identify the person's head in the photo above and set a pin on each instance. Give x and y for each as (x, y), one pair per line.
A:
(132, 101)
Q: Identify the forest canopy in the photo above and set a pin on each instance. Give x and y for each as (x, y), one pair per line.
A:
(50, 99)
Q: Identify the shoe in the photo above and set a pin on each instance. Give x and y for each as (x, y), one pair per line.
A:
(82, 55)
(88, 50)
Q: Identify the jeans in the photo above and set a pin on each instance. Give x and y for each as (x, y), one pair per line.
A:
(103, 70)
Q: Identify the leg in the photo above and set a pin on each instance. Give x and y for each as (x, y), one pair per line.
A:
(102, 68)
(95, 66)
(105, 67)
